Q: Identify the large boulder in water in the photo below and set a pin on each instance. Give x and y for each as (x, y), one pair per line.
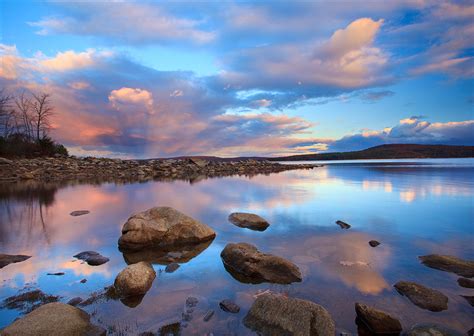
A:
(247, 264)
(54, 319)
(162, 227)
(449, 263)
(276, 315)
(422, 296)
(135, 280)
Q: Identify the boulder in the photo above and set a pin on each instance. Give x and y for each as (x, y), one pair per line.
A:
(422, 296)
(249, 221)
(376, 321)
(7, 259)
(277, 315)
(54, 319)
(466, 283)
(135, 279)
(92, 258)
(247, 264)
(431, 330)
(160, 227)
(448, 263)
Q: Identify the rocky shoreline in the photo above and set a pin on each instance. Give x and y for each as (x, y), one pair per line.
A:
(191, 169)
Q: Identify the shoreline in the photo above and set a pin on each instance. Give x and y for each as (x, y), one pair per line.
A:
(48, 169)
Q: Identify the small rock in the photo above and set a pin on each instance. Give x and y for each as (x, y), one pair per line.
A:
(79, 213)
(464, 268)
(431, 330)
(466, 283)
(422, 296)
(249, 221)
(343, 225)
(92, 258)
(170, 329)
(378, 322)
(209, 314)
(469, 299)
(187, 317)
(57, 273)
(135, 279)
(374, 243)
(6, 259)
(171, 267)
(5, 161)
(83, 281)
(229, 306)
(75, 301)
(191, 301)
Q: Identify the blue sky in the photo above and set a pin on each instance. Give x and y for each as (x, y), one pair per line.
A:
(156, 78)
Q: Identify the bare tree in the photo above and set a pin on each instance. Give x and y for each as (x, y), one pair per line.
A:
(5, 113)
(43, 111)
(25, 115)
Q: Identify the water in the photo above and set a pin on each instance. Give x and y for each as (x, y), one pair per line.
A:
(411, 209)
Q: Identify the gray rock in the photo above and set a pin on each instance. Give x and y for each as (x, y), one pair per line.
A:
(277, 315)
(209, 314)
(79, 213)
(375, 321)
(54, 319)
(343, 225)
(92, 258)
(246, 264)
(249, 221)
(466, 283)
(422, 296)
(229, 306)
(7, 259)
(75, 301)
(431, 330)
(448, 263)
(162, 226)
(135, 279)
(374, 243)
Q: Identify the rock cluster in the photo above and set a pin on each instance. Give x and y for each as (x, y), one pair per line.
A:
(90, 168)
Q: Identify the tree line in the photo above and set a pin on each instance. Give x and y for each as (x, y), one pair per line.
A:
(25, 125)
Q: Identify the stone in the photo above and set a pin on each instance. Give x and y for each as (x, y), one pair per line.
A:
(75, 301)
(431, 330)
(7, 259)
(343, 225)
(83, 281)
(54, 319)
(199, 162)
(246, 264)
(374, 243)
(171, 267)
(79, 213)
(28, 301)
(376, 321)
(277, 315)
(466, 283)
(170, 329)
(422, 296)
(464, 268)
(209, 314)
(135, 279)
(162, 226)
(4, 161)
(92, 258)
(191, 301)
(249, 221)
(469, 299)
(57, 273)
(229, 306)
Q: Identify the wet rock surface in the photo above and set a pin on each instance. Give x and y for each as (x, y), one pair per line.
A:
(7, 259)
(229, 306)
(92, 258)
(272, 314)
(372, 321)
(49, 169)
(248, 221)
(77, 213)
(466, 283)
(343, 225)
(162, 227)
(75, 301)
(28, 301)
(247, 264)
(374, 243)
(422, 296)
(54, 319)
(431, 330)
(135, 280)
(447, 263)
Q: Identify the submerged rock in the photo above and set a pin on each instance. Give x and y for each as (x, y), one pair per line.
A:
(170, 329)
(448, 263)
(279, 315)
(171, 267)
(466, 283)
(162, 226)
(376, 321)
(54, 319)
(28, 301)
(422, 296)
(7, 259)
(56, 273)
(249, 221)
(135, 280)
(209, 314)
(229, 306)
(247, 264)
(79, 213)
(469, 299)
(75, 301)
(92, 258)
(431, 330)
(374, 243)
(343, 225)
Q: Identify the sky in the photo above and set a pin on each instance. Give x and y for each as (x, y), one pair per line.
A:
(140, 79)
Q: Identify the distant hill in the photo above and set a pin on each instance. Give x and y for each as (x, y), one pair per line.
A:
(395, 151)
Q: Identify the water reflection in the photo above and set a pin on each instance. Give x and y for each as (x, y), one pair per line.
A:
(410, 210)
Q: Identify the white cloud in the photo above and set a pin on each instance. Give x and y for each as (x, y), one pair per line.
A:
(127, 96)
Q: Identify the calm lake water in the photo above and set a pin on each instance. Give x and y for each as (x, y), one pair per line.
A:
(411, 208)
